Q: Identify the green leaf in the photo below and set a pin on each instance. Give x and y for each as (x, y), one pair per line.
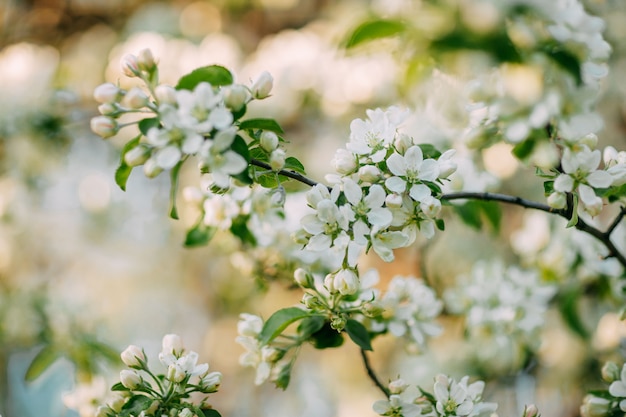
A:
(135, 405)
(548, 187)
(358, 333)
(42, 361)
(614, 193)
(146, 124)
(210, 412)
(119, 387)
(103, 351)
(473, 212)
(199, 235)
(523, 149)
(123, 170)
(240, 229)
(374, 29)
(441, 225)
(174, 174)
(213, 74)
(284, 376)
(492, 212)
(268, 180)
(499, 45)
(564, 59)
(469, 214)
(279, 322)
(568, 306)
(261, 124)
(292, 164)
(326, 337)
(429, 151)
(310, 325)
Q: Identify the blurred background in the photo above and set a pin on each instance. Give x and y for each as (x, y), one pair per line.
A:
(86, 269)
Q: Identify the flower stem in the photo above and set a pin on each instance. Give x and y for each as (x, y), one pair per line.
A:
(372, 374)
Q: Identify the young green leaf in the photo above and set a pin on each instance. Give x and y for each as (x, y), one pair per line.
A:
(359, 335)
(261, 124)
(210, 412)
(293, 164)
(310, 325)
(213, 74)
(374, 29)
(123, 170)
(119, 387)
(146, 124)
(326, 337)
(429, 151)
(279, 322)
(174, 189)
(135, 405)
(42, 361)
(199, 235)
(240, 229)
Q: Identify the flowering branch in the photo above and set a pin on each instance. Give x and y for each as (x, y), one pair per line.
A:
(372, 374)
(289, 174)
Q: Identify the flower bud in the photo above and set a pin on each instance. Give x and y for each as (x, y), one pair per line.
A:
(262, 86)
(610, 372)
(153, 407)
(347, 282)
(130, 66)
(249, 325)
(136, 99)
(102, 411)
(344, 162)
(268, 141)
(104, 126)
(151, 169)
(329, 283)
(130, 379)
(595, 406)
(446, 166)
(165, 94)
(531, 411)
(311, 301)
(303, 278)
(393, 200)
(133, 356)
(402, 143)
(369, 173)
(137, 155)
(236, 96)
(338, 323)
(186, 413)
(372, 309)
(116, 403)
(398, 386)
(557, 200)
(145, 60)
(278, 196)
(277, 159)
(594, 207)
(300, 237)
(172, 343)
(109, 109)
(175, 373)
(211, 382)
(107, 93)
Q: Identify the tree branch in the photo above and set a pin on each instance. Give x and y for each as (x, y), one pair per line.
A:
(289, 174)
(372, 375)
(604, 237)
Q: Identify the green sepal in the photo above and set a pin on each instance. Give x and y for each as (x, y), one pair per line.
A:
(358, 333)
(174, 176)
(199, 235)
(284, 377)
(215, 75)
(42, 361)
(279, 322)
(374, 29)
(574, 220)
(548, 187)
(123, 170)
(261, 124)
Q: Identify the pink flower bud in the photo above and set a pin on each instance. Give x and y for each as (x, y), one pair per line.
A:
(107, 93)
(109, 109)
(130, 66)
(262, 86)
(104, 126)
(133, 356)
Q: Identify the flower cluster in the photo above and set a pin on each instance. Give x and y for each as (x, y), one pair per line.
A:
(194, 118)
(609, 402)
(386, 192)
(449, 398)
(146, 394)
(500, 302)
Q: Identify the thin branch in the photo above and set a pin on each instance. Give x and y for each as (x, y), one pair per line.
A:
(604, 237)
(616, 221)
(372, 375)
(289, 174)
